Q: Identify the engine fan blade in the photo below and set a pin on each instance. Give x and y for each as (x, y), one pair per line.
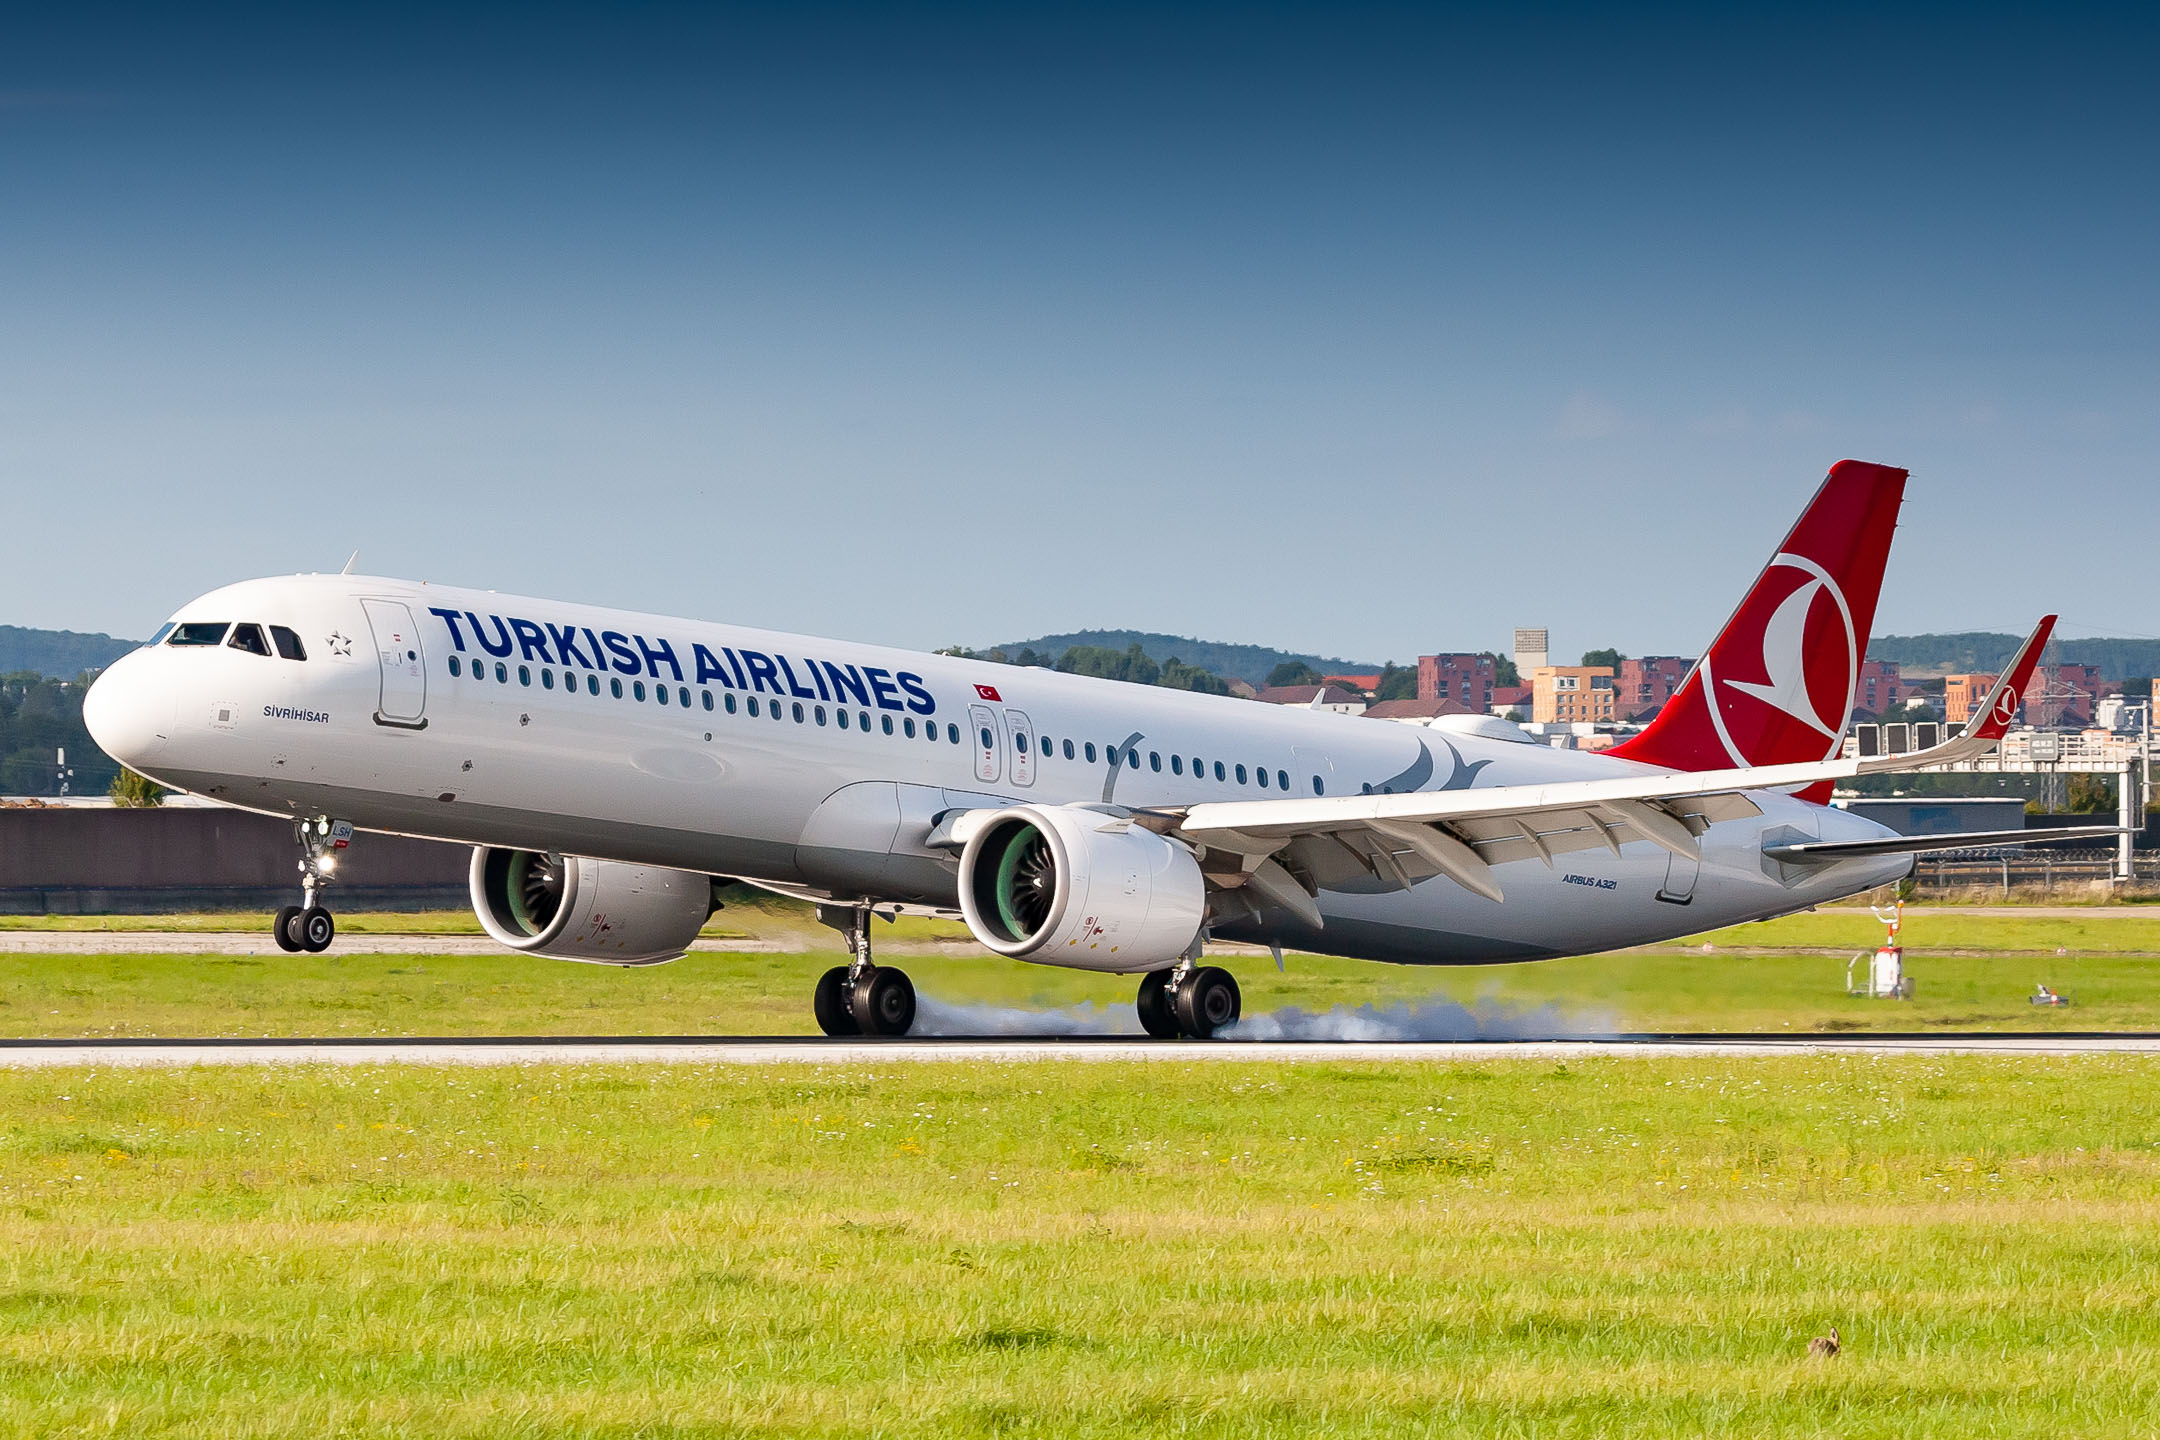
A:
(542, 888)
(1035, 882)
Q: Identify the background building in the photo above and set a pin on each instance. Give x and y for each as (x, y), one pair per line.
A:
(1532, 650)
(1465, 679)
(2062, 695)
(1643, 686)
(1573, 694)
(1962, 694)
(1330, 697)
(1881, 687)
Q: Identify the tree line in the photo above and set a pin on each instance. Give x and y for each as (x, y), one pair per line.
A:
(39, 717)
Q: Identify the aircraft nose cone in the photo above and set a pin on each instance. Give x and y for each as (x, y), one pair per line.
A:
(126, 713)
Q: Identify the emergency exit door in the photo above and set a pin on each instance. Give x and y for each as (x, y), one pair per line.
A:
(989, 749)
(403, 664)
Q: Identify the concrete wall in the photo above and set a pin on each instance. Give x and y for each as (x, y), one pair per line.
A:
(137, 862)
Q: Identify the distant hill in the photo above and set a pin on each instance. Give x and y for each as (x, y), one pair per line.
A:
(63, 654)
(1986, 650)
(1250, 663)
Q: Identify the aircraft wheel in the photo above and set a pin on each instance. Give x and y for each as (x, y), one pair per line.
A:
(315, 929)
(884, 1002)
(831, 1003)
(282, 929)
(1208, 1001)
(1154, 1005)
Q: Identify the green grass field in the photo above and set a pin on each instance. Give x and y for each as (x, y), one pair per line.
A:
(1621, 1247)
(1972, 971)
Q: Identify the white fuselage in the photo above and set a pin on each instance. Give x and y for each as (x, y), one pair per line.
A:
(821, 766)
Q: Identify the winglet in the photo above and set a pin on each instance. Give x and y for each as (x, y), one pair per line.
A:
(1993, 718)
(1987, 724)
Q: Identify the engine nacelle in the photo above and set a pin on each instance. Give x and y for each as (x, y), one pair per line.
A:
(569, 907)
(1069, 886)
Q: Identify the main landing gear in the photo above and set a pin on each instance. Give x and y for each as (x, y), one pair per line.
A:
(861, 998)
(310, 925)
(1188, 1000)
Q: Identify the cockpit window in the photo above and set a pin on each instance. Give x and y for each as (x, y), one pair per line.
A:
(249, 637)
(199, 632)
(288, 643)
(163, 631)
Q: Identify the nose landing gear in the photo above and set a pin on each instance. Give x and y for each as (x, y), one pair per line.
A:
(309, 925)
(861, 998)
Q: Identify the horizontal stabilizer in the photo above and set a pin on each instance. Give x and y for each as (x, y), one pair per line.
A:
(1823, 852)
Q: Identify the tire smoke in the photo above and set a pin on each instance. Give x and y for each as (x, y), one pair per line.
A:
(1432, 1020)
(940, 1017)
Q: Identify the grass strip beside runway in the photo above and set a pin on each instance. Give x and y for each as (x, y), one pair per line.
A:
(1614, 1247)
(352, 992)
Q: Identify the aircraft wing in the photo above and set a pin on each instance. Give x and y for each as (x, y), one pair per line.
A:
(1464, 833)
(1819, 852)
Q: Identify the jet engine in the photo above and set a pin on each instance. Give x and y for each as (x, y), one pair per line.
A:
(1083, 888)
(569, 907)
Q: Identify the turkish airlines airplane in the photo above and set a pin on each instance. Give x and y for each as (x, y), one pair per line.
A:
(609, 769)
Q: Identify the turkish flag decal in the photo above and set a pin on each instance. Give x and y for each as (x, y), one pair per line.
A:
(989, 692)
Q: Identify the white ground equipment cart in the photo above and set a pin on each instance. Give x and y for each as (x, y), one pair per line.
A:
(1883, 977)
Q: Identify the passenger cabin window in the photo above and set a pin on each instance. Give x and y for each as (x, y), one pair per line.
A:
(200, 632)
(249, 637)
(288, 643)
(456, 668)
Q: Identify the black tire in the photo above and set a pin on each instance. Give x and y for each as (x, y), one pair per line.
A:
(282, 929)
(316, 929)
(885, 1002)
(830, 1004)
(1156, 1016)
(1208, 1001)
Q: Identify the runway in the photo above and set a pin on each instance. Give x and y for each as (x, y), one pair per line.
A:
(818, 1050)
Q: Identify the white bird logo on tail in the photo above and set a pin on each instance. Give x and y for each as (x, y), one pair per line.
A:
(1784, 653)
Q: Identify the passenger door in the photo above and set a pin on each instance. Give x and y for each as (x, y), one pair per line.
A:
(989, 754)
(403, 664)
(1023, 747)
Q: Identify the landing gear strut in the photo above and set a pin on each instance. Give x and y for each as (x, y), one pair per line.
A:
(310, 925)
(1189, 1000)
(861, 998)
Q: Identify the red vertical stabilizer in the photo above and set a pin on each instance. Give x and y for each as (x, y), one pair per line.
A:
(1776, 686)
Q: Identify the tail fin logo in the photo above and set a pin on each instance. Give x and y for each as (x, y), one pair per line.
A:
(1810, 660)
(2006, 705)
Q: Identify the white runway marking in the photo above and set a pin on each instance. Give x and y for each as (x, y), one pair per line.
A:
(784, 1051)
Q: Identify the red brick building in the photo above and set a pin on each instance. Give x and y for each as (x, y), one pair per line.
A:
(2062, 694)
(1881, 687)
(1465, 679)
(1645, 684)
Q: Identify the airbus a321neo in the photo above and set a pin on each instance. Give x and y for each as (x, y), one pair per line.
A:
(609, 769)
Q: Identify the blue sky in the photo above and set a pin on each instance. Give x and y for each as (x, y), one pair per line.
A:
(1363, 331)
